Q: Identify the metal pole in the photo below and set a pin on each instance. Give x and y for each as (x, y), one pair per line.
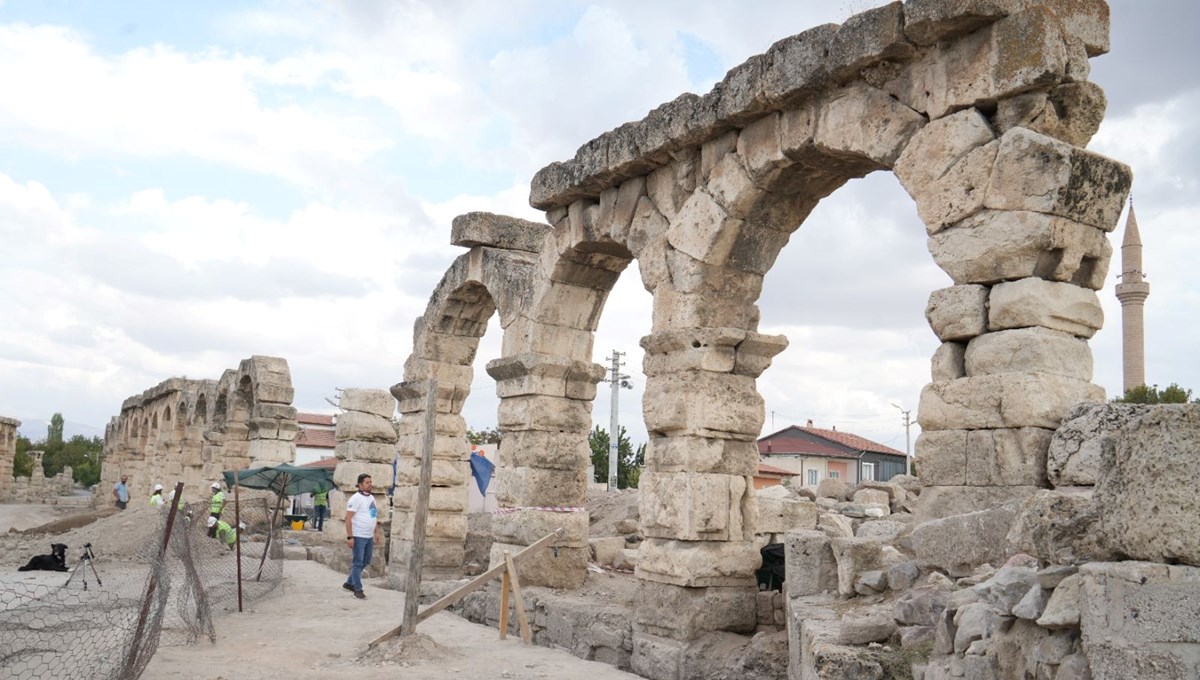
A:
(907, 440)
(613, 431)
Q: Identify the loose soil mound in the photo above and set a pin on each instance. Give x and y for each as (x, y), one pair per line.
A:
(409, 651)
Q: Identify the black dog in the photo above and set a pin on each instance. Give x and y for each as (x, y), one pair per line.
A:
(55, 561)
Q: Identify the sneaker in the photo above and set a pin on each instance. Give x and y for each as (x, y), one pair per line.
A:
(360, 595)
(347, 586)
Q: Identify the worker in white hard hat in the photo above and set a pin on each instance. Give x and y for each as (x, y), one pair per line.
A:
(156, 497)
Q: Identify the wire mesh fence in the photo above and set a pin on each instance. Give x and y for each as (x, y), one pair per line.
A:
(110, 615)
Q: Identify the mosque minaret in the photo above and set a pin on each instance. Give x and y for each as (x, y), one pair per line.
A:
(1132, 292)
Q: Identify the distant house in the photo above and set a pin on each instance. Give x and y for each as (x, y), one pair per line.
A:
(769, 475)
(815, 453)
(315, 439)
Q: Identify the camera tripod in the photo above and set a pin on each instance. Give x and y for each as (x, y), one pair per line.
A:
(86, 561)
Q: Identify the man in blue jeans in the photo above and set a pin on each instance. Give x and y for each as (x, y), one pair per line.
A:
(362, 530)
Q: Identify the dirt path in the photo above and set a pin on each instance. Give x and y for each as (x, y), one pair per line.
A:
(312, 629)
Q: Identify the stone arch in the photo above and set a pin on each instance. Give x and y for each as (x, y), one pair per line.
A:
(199, 411)
(982, 119)
(494, 276)
(547, 383)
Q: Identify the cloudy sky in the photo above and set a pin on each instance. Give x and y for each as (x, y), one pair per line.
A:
(185, 184)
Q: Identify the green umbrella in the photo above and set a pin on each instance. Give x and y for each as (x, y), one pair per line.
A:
(284, 480)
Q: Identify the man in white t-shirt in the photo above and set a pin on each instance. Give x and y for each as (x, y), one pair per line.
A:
(362, 530)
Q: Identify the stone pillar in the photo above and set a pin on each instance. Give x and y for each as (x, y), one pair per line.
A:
(697, 507)
(446, 523)
(8, 452)
(366, 443)
(1027, 254)
(545, 415)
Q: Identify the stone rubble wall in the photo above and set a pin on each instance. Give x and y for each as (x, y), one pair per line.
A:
(193, 430)
(38, 488)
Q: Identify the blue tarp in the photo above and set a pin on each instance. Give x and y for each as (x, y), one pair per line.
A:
(481, 470)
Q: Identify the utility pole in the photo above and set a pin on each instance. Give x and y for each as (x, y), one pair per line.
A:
(907, 425)
(616, 380)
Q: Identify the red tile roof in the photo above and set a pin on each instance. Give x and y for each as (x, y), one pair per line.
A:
(316, 439)
(764, 469)
(791, 440)
(330, 463)
(314, 419)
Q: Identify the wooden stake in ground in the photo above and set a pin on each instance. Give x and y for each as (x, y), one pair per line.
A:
(515, 584)
(416, 560)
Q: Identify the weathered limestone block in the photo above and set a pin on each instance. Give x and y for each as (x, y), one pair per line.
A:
(527, 335)
(528, 374)
(958, 312)
(418, 369)
(873, 497)
(550, 450)
(1036, 302)
(563, 568)
(1140, 620)
(755, 352)
(732, 187)
(525, 527)
(444, 472)
(865, 121)
(701, 403)
(798, 65)
(1042, 174)
(695, 506)
(441, 498)
(809, 563)
(1074, 455)
(867, 38)
(271, 451)
(928, 21)
(698, 454)
(1062, 609)
(657, 657)
(833, 488)
(563, 304)
(440, 525)
(1003, 400)
(547, 413)
(1018, 53)
(703, 229)
(370, 452)
(698, 564)
(758, 145)
(960, 192)
(706, 349)
(937, 502)
(694, 611)
(444, 424)
(445, 447)
(456, 344)
(439, 554)
(1033, 349)
(690, 310)
(617, 208)
(1001, 457)
(496, 231)
(1147, 486)
(948, 362)
(1059, 527)
(731, 280)
(934, 149)
(1071, 112)
(532, 486)
(959, 543)
(607, 550)
(669, 187)
(993, 246)
(411, 397)
(854, 556)
(378, 402)
(778, 514)
(872, 625)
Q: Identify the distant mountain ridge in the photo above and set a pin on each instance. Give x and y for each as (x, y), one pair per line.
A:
(35, 430)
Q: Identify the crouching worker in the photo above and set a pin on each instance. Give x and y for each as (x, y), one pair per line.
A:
(221, 530)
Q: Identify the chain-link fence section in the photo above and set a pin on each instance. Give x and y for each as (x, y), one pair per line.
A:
(109, 617)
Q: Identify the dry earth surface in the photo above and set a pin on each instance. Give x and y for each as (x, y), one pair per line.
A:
(308, 628)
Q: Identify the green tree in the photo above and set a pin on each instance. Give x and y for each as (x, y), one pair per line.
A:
(489, 436)
(23, 462)
(1142, 394)
(629, 461)
(54, 431)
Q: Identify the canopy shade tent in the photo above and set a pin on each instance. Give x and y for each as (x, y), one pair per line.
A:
(284, 480)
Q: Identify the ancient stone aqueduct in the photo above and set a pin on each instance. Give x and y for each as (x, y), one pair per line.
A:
(981, 109)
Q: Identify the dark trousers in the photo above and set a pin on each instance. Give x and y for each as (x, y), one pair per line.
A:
(321, 511)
